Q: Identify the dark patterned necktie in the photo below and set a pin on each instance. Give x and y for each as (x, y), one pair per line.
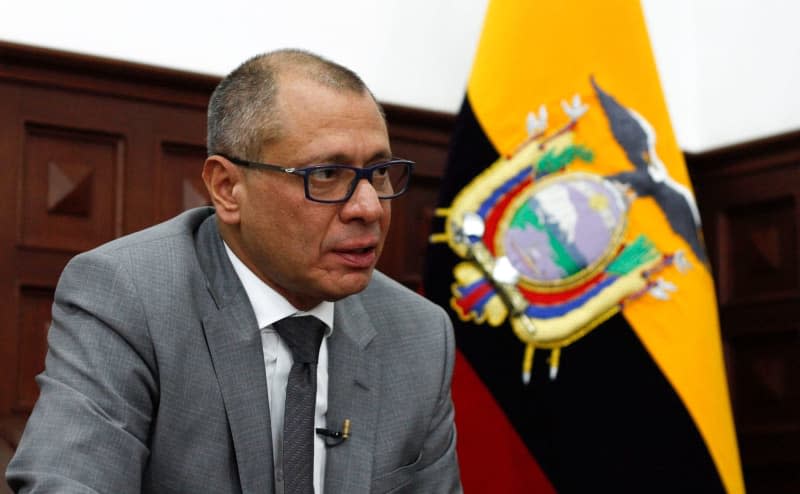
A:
(303, 335)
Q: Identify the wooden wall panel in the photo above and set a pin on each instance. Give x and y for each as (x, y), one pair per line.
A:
(181, 186)
(749, 197)
(760, 239)
(423, 138)
(84, 143)
(70, 188)
(10, 146)
(32, 326)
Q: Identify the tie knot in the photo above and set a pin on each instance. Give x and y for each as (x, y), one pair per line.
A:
(303, 335)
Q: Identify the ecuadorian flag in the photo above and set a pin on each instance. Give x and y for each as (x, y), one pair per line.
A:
(568, 251)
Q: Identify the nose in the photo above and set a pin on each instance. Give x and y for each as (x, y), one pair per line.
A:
(363, 205)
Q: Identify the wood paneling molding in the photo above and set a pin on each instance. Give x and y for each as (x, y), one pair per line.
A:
(103, 76)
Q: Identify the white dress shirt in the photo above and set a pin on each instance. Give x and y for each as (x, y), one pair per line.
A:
(271, 307)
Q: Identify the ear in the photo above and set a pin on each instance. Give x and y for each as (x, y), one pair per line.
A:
(223, 181)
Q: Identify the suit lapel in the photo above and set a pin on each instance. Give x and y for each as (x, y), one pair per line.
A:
(234, 342)
(352, 394)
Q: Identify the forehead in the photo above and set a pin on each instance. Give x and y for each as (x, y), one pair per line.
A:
(319, 122)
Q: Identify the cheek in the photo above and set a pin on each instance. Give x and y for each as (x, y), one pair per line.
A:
(269, 224)
(282, 245)
(302, 231)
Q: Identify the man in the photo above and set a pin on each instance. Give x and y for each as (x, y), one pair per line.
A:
(169, 365)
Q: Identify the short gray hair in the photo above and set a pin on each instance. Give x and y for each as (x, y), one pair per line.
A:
(242, 111)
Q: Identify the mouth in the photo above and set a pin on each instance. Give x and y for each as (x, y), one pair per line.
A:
(358, 257)
(362, 250)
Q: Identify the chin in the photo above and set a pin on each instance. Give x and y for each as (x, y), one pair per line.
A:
(352, 286)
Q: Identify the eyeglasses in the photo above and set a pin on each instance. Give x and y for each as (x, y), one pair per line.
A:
(336, 183)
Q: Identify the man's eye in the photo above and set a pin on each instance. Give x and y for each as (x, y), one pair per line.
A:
(326, 174)
(381, 171)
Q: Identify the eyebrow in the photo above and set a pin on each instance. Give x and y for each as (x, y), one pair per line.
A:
(380, 156)
(344, 159)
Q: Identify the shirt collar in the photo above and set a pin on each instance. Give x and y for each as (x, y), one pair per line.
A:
(268, 305)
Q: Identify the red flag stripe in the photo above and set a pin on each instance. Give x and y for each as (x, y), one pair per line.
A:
(496, 460)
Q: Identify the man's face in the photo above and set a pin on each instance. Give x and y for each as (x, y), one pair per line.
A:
(309, 251)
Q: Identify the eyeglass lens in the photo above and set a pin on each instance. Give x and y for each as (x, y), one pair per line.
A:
(335, 183)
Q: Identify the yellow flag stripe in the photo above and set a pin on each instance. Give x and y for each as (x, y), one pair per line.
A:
(535, 53)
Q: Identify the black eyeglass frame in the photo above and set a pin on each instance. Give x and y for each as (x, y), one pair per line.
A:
(361, 173)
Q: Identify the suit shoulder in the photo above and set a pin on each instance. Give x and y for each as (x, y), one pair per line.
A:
(159, 254)
(384, 285)
(383, 288)
(180, 226)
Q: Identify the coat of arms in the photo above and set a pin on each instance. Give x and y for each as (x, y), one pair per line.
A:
(544, 237)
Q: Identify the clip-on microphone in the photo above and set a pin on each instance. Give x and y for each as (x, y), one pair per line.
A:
(335, 438)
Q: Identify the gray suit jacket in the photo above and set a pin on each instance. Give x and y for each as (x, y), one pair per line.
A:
(155, 381)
